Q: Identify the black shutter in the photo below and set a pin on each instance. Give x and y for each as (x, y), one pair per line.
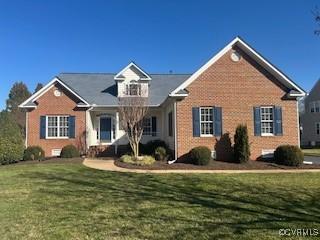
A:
(257, 121)
(217, 114)
(43, 127)
(196, 121)
(72, 126)
(170, 125)
(278, 120)
(154, 126)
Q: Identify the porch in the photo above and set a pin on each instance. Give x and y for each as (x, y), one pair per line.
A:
(105, 133)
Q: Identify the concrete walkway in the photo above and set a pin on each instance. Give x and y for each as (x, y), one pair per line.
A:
(108, 165)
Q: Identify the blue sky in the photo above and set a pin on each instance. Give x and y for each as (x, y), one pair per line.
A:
(39, 39)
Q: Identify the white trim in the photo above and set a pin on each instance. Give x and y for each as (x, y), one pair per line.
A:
(206, 135)
(273, 122)
(47, 87)
(178, 95)
(112, 122)
(58, 126)
(241, 43)
(127, 67)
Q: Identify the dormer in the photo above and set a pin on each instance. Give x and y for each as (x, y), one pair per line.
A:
(132, 81)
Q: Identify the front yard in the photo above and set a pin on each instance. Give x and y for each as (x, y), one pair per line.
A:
(70, 201)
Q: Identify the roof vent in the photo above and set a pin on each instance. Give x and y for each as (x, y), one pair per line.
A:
(235, 56)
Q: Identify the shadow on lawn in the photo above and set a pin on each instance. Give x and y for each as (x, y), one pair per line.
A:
(223, 205)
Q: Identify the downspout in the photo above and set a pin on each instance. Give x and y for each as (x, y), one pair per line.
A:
(175, 134)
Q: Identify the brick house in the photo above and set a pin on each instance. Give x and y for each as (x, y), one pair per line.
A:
(236, 86)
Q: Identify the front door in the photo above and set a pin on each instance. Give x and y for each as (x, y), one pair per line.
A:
(105, 129)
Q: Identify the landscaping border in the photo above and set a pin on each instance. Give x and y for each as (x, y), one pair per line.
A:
(108, 165)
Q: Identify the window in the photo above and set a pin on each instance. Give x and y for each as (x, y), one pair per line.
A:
(133, 89)
(170, 126)
(147, 126)
(57, 126)
(318, 128)
(314, 106)
(206, 121)
(266, 121)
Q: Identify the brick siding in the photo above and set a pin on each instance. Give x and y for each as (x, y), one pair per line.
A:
(236, 87)
(49, 104)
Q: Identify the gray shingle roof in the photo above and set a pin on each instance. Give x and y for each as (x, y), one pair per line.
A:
(101, 89)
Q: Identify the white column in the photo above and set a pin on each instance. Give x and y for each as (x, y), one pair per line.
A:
(117, 132)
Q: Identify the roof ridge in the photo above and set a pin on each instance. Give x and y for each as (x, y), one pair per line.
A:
(115, 73)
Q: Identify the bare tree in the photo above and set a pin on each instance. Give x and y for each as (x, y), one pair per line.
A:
(132, 110)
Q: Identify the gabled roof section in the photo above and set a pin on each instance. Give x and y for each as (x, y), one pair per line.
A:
(281, 77)
(134, 68)
(30, 102)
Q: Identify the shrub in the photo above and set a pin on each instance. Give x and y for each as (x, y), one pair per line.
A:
(151, 146)
(200, 155)
(11, 141)
(69, 151)
(160, 153)
(241, 144)
(10, 152)
(145, 160)
(33, 153)
(288, 155)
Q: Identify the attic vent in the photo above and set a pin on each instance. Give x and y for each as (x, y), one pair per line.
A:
(235, 56)
(57, 93)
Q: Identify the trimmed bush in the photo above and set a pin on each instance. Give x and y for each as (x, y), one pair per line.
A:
(160, 154)
(288, 155)
(69, 151)
(10, 152)
(11, 141)
(241, 144)
(33, 153)
(145, 160)
(151, 146)
(200, 155)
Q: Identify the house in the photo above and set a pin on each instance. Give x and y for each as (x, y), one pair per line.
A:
(310, 118)
(235, 86)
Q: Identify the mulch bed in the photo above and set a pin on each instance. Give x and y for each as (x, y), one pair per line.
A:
(215, 165)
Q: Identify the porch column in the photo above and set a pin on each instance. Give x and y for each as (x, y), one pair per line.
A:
(117, 132)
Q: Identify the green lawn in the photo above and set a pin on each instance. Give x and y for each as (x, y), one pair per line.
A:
(70, 201)
(311, 152)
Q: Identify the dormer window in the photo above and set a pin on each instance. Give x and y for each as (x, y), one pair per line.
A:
(132, 81)
(133, 89)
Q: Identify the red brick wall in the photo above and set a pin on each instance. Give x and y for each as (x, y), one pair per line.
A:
(49, 104)
(236, 87)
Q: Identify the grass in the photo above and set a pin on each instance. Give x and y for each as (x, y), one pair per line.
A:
(312, 152)
(70, 201)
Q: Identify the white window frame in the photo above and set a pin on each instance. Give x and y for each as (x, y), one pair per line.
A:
(261, 121)
(312, 106)
(58, 127)
(128, 89)
(316, 128)
(148, 133)
(200, 122)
